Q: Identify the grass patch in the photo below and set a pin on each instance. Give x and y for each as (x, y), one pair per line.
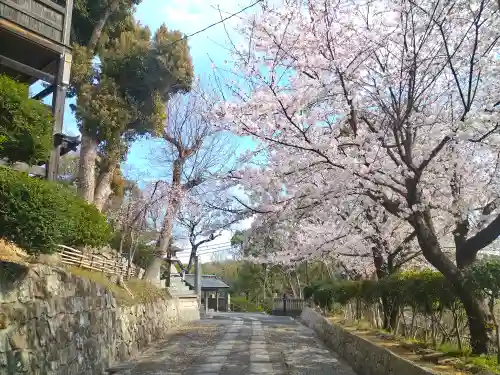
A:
(453, 350)
(143, 291)
(486, 362)
(11, 253)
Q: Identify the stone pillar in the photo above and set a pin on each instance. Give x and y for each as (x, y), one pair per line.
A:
(206, 302)
(197, 278)
(173, 270)
(228, 301)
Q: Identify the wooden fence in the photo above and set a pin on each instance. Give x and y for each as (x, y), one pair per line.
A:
(94, 262)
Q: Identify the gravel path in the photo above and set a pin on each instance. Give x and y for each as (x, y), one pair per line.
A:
(239, 344)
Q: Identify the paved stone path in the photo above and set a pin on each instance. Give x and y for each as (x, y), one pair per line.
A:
(239, 344)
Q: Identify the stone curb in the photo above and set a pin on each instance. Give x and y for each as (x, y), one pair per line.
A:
(361, 354)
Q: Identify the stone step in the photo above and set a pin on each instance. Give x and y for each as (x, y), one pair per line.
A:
(179, 285)
(174, 292)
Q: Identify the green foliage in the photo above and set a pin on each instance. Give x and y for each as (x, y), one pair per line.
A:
(37, 215)
(486, 277)
(25, 124)
(241, 304)
(87, 13)
(137, 75)
(425, 291)
(143, 255)
(148, 70)
(487, 362)
(237, 238)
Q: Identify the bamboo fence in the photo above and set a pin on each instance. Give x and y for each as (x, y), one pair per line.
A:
(95, 262)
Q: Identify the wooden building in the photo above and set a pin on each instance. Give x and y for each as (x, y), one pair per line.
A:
(35, 45)
(214, 292)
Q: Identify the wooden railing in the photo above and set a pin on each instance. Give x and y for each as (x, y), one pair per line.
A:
(94, 262)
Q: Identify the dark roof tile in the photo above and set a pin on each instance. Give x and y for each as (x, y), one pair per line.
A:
(207, 282)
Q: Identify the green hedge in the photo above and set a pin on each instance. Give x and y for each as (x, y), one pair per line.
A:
(25, 124)
(424, 291)
(37, 215)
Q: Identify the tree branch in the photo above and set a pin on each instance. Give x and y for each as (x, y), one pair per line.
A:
(466, 254)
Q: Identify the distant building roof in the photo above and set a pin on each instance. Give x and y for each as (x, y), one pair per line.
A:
(208, 282)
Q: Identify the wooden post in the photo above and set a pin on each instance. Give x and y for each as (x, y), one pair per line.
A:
(59, 96)
(284, 304)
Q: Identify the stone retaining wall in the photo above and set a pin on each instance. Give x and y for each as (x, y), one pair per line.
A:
(55, 323)
(362, 355)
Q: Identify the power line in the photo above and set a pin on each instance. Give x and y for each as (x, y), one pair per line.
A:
(215, 250)
(215, 24)
(207, 247)
(210, 251)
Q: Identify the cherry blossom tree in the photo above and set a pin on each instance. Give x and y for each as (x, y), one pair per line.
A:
(192, 153)
(201, 222)
(135, 215)
(390, 102)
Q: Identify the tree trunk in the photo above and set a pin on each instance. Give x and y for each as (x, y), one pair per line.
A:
(298, 284)
(290, 282)
(103, 187)
(153, 272)
(87, 167)
(99, 27)
(390, 312)
(162, 245)
(477, 316)
(194, 249)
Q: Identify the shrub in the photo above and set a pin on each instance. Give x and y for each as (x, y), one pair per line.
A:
(425, 291)
(25, 124)
(37, 215)
(240, 304)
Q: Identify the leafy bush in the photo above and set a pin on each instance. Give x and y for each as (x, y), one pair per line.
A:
(240, 304)
(425, 291)
(25, 124)
(422, 290)
(37, 215)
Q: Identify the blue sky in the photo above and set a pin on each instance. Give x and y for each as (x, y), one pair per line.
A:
(188, 16)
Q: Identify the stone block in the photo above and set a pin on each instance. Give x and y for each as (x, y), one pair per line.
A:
(4, 342)
(59, 324)
(4, 321)
(18, 339)
(362, 355)
(18, 361)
